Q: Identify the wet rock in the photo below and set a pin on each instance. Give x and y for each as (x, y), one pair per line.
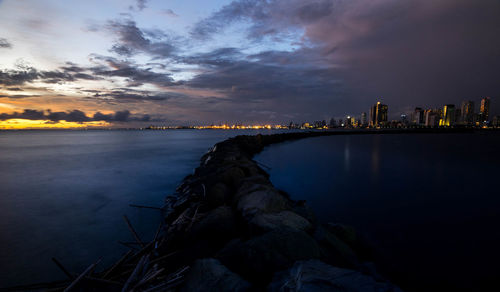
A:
(258, 258)
(334, 250)
(301, 208)
(349, 235)
(232, 176)
(271, 221)
(314, 275)
(211, 275)
(343, 232)
(218, 194)
(266, 200)
(219, 224)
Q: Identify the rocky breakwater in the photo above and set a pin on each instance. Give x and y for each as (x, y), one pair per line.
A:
(237, 232)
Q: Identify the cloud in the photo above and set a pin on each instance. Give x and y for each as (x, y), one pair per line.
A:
(405, 52)
(132, 40)
(27, 74)
(141, 4)
(75, 116)
(169, 12)
(16, 96)
(136, 95)
(112, 67)
(5, 44)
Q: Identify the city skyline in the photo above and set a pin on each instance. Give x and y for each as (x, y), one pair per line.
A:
(135, 63)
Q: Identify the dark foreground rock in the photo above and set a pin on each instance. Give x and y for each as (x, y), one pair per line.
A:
(316, 276)
(211, 276)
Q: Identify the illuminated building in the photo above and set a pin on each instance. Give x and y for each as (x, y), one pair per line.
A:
(431, 118)
(363, 120)
(448, 118)
(496, 122)
(348, 121)
(378, 114)
(485, 109)
(467, 112)
(418, 116)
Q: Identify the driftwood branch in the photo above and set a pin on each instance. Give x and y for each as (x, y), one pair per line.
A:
(133, 230)
(81, 276)
(117, 264)
(65, 271)
(145, 207)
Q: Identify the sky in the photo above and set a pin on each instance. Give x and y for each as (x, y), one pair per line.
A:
(129, 63)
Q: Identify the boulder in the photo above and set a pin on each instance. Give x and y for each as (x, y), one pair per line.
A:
(232, 176)
(219, 224)
(218, 194)
(265, 200)
(349, 235)
(211, 275)
(271, 221)
(343, 232)
(314, 275)
(258, 258)
(252, 183)
(301, 208)
(334, 250)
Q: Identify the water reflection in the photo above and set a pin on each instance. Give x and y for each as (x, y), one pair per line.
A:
(347, 154)
(375, 159)
(419, 198)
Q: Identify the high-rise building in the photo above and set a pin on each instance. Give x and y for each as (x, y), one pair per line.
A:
(364, 122)
(485, 109)
(448, 118)
(418, 116)
(431, 118)
(378, 114)
(467, 112)
(333, 123)
(458, 116)
(495, 122)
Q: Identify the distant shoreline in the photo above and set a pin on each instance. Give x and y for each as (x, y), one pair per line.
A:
(336, 131)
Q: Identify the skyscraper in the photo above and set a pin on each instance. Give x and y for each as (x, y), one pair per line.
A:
(378, 114)
(363, 120)
(468, 112)
(418, 116)
(448, 116)
(431, 118)
(485, 109)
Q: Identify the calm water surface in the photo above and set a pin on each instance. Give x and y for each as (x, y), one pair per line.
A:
(63, 193)
(430, 204)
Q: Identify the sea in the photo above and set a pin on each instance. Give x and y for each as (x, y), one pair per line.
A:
(63, 194)
(429, 204)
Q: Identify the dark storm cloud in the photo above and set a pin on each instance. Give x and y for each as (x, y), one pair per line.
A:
(5, 44)
(26, 114)
(407, 53)
(135, 75)
(70, 116)
(217, 57)
(75, 116)
(131, 40)
(120, 116)
(22, 75)
(18, 77)
(17, 96)
(136, 95)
